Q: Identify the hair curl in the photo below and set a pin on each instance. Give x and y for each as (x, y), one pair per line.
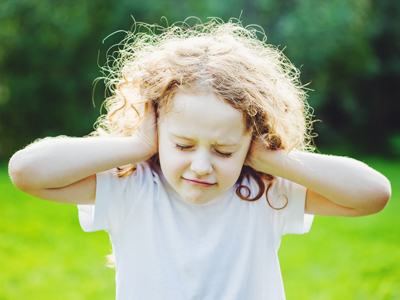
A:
(150, 67)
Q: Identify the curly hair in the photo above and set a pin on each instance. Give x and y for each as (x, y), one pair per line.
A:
(150, 67)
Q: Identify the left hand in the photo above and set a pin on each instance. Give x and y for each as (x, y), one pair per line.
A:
(258, 148)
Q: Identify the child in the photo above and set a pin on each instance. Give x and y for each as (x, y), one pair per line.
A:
(199, 167)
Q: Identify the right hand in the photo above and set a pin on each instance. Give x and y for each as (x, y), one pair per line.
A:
(148, 130)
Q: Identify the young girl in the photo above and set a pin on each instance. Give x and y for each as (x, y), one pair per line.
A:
(200, 166)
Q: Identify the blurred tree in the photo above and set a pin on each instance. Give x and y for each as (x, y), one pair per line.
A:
(45, 70)
(349, 51)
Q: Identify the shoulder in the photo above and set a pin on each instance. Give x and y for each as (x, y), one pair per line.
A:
(141, 175)
(286, 190)
(287, 200)
(283, 201)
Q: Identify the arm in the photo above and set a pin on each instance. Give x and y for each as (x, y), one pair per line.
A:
(63, 169)
(336, 186)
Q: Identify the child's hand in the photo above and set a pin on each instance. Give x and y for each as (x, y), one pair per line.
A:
(254, 148)
(148, 130)
(258, 148)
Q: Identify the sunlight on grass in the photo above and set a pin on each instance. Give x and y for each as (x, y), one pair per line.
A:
(347, 258)
(46, 255)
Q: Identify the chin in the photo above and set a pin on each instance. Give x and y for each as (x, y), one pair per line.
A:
(196, 197)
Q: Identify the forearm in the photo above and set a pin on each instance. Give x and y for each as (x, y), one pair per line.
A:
(344, 181)
(58, 162)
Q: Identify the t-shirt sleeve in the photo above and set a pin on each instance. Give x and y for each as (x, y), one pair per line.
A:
(115, 197)
(291, 219)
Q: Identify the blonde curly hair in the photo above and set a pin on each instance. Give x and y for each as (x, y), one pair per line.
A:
(150, 67)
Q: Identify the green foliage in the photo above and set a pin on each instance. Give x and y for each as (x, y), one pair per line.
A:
(45, 254)
(350, 53)
(348, 50)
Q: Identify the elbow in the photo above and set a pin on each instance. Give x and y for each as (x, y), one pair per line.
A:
(382, 195)
(375, 198)
(18, 172)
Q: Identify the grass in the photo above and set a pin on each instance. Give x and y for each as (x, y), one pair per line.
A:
(347, 258)
(46, 255)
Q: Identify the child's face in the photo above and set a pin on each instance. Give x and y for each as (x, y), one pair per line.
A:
(202, 146)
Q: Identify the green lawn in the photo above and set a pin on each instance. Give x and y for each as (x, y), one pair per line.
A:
(44, 252)
(45, 255)
(347, 258)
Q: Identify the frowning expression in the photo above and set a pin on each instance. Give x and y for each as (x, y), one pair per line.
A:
(202, 146)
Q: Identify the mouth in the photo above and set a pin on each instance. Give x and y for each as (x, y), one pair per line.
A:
(199, 183)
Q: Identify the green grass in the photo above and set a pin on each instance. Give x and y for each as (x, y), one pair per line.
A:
(347, 258)
(46, 255)
(44, 252)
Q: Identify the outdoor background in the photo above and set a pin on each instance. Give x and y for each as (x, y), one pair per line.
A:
(348, 52)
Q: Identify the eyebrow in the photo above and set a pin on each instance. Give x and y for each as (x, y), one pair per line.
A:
(216, 144)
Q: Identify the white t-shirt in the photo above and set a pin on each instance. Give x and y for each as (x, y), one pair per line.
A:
(169, 249)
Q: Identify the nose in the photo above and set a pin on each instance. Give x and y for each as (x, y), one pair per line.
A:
(201, 163)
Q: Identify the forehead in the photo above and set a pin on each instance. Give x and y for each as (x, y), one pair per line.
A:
(204, 116)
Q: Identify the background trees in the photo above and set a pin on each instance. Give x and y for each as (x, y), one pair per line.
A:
(348, 52)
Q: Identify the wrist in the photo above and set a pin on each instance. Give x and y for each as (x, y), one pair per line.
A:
(148, 148)
(272, 162)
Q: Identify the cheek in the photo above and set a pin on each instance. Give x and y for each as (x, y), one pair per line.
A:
(172, 163)
(229, 170)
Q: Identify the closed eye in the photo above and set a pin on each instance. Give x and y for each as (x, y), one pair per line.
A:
(185, 148)
(181, 147)
(223, 154)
